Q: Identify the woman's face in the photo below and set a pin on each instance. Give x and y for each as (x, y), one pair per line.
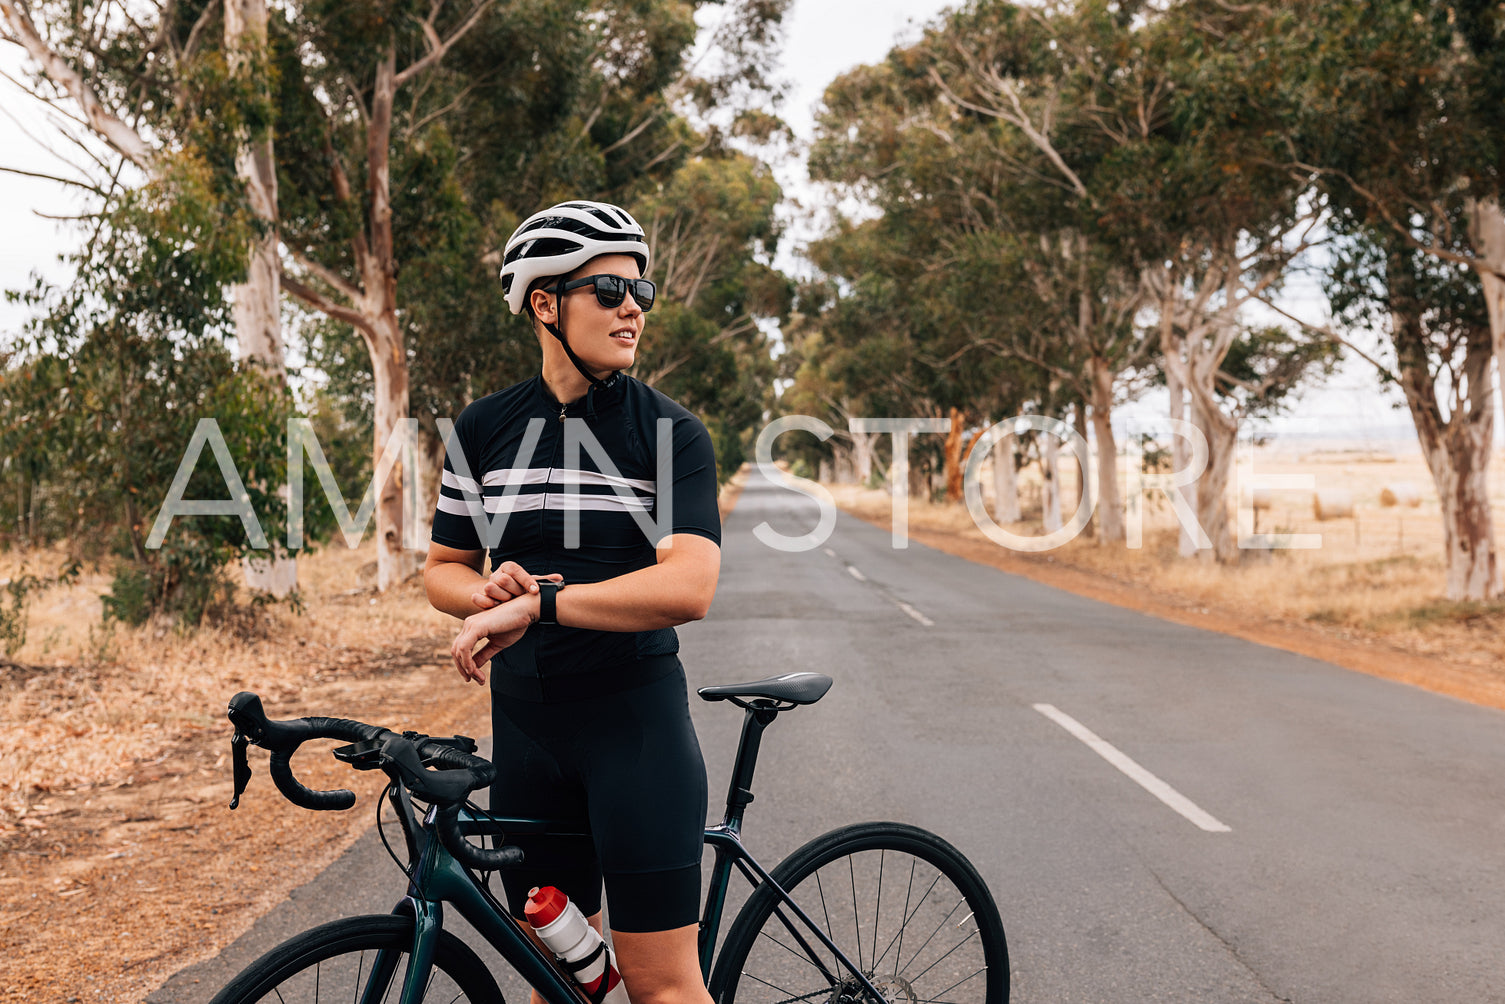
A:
(605, 338)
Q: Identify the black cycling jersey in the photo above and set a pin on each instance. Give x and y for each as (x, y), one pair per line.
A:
(587, 490)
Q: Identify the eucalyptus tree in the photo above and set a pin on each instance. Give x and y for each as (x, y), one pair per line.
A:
(138, 77)
(1395, 111)
(114, 376)
(1004, 119)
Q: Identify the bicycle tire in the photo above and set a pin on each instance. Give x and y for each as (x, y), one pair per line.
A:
(333, 962)
(761, 962)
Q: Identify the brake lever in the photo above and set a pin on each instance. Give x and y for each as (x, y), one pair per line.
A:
(242, 765)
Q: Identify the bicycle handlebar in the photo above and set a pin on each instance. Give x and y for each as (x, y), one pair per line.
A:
(402, 756)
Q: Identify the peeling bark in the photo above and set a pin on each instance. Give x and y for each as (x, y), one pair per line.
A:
(1198, 328)
(1181, 451)
(862, 455)
(1456, 447)
(256, 304)
(1005, 483)
(1487, 233)
(1109, 512)
(954, 445)
(1050, 474)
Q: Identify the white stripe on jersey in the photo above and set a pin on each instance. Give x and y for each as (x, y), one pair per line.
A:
(555, 476)
(459, 507)
(598, 503)
(453, 480)
(517, 476)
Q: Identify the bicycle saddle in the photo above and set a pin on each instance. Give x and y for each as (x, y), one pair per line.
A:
(792, 688)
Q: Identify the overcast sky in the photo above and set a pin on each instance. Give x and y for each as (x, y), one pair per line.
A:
(823, 39)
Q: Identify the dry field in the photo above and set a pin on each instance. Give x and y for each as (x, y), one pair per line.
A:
(1370, 596)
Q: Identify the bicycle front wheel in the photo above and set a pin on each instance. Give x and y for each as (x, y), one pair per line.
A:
(359, 959)
(904, 906)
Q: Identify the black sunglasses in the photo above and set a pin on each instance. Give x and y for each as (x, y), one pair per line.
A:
(610, 289)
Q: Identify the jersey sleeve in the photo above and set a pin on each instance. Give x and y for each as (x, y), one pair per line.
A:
(694, 491)
(459, 503)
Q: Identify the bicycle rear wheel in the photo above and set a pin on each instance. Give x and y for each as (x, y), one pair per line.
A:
(359, 959)
(903, 905)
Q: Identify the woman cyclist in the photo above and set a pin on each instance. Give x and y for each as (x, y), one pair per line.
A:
(596, 498)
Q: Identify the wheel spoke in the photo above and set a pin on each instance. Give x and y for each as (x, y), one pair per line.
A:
(907, 918)
(802, 956)
(940, 997)
(943, 957)
(928, 940)
(877, 902)
(856, 921)
(792, 996)
(825, 911)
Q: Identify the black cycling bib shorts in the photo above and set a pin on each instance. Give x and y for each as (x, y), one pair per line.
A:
(591, 728)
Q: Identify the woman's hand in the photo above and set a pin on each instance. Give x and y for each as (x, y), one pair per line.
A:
(499, 627)
(509, 580)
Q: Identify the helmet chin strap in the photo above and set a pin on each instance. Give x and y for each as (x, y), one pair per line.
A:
(557, 330)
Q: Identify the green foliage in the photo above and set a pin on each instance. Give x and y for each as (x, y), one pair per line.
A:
(115, 373)
(546, 101)
(13, 603)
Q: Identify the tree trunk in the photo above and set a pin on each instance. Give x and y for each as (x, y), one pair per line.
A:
(954, 444)
(1196, 338)
(1486, 223)
(1457, 455)
(1212, 487)
(1109, 512)
(389, 361)
(863, 444)
(1456, 450)
(428, 455)
(1181, 454)
(1005, 483)
(394, 563)
(1050, 474)
(256, 303)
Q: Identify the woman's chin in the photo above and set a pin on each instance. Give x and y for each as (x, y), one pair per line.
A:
(609, 362)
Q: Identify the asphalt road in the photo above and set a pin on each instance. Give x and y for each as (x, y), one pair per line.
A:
(1324, 836)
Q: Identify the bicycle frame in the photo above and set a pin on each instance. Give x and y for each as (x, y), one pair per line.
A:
(437, 877)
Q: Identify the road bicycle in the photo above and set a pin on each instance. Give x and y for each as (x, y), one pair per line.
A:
(872, 913)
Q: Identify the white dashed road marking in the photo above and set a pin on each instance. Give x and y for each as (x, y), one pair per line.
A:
(1149, 782)
(911, 611)
(856, 574)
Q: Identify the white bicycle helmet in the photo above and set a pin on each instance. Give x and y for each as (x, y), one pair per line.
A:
(562, 238)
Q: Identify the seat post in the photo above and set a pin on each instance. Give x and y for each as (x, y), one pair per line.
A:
(739, 793)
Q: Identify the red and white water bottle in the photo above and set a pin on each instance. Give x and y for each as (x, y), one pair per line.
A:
(561, 926)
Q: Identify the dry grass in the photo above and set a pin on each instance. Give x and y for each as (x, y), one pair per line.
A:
(84, 703)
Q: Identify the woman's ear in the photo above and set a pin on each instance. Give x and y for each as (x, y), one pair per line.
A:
(543, 305)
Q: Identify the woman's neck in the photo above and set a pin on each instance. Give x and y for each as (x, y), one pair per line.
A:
(564, 381)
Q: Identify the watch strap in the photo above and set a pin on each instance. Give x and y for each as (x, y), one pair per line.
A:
(548, 592)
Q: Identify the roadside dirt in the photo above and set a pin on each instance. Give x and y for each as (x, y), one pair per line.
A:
(107, 891)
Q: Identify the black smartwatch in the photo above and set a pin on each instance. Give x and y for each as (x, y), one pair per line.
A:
(548, 589)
